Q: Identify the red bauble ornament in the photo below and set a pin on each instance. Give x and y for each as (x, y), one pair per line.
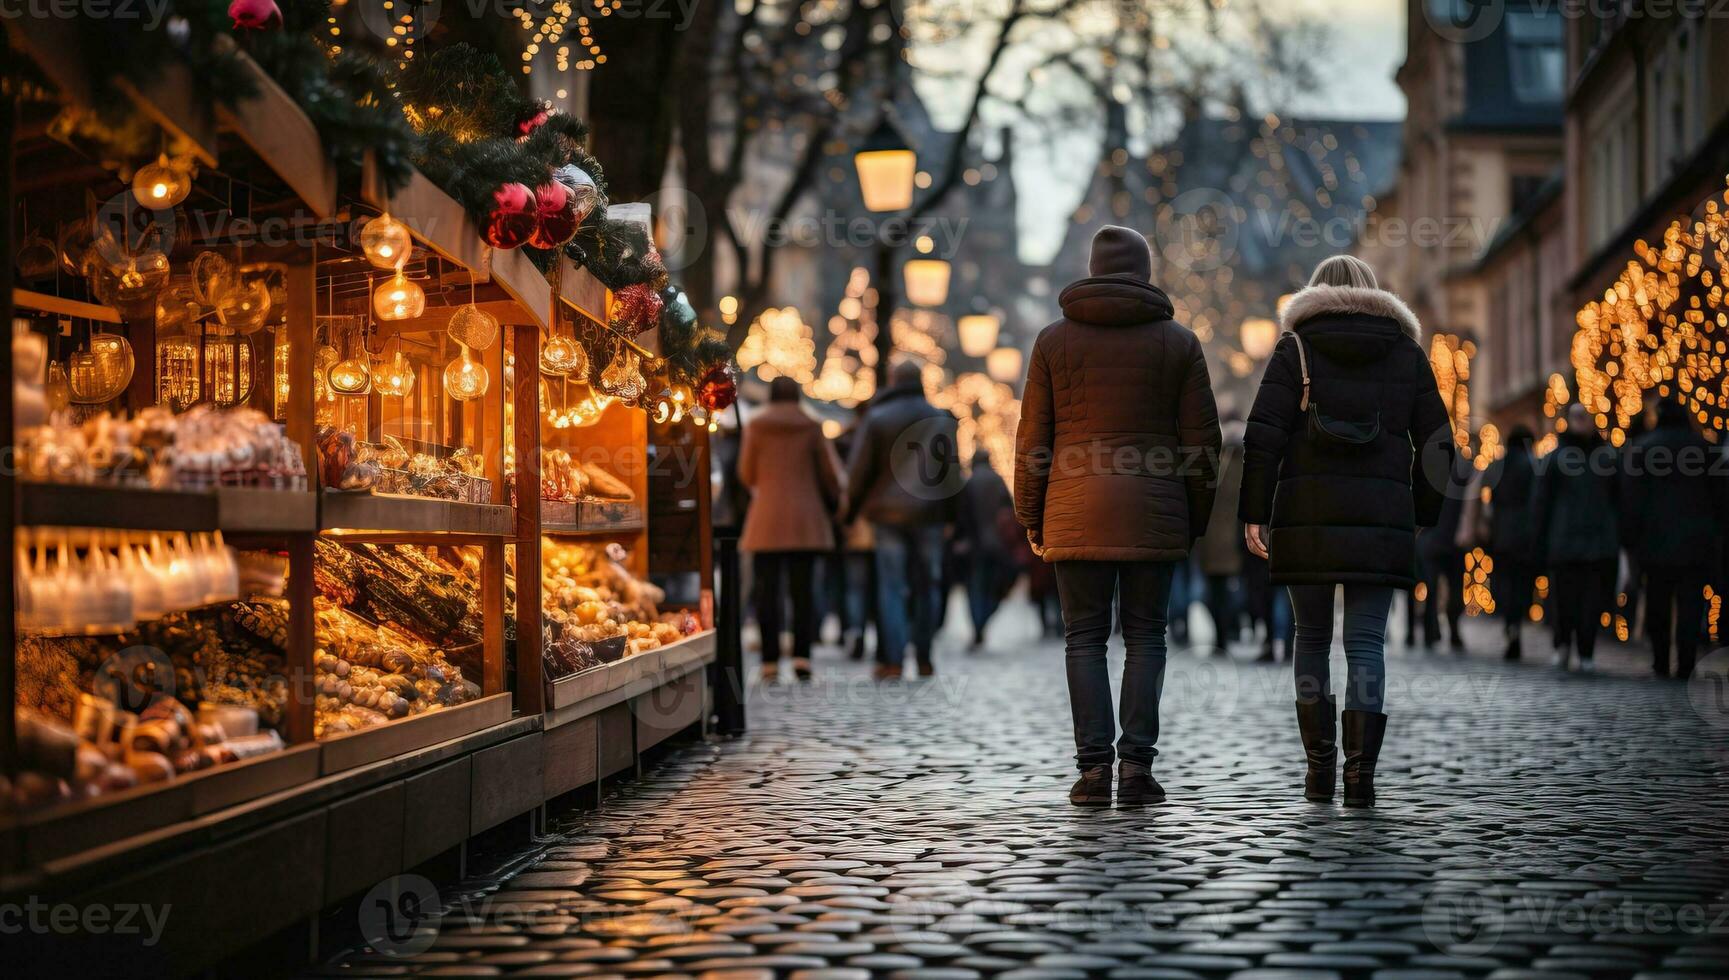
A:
(717, 390)
(555, 214)
(637, 307)
(513, 218)
(533, 120)
(254, 15)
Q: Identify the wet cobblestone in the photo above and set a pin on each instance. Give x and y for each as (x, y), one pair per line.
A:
(1533, 825)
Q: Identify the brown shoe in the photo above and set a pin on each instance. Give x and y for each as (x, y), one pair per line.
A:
(885, 672)
(1136, 785)
(1093, 788)
(927, 670)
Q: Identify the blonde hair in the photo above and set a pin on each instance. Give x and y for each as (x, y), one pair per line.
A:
(1344, 270)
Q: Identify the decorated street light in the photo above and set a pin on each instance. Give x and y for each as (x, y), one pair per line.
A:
(927, 281)
(886, 166)
(978, 333)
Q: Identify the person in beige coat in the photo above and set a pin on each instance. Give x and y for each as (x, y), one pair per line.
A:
(795, 482)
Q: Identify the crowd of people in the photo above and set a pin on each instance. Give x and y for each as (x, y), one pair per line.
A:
(1132, 502)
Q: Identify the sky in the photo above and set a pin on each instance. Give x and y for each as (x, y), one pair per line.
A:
(1366, 46)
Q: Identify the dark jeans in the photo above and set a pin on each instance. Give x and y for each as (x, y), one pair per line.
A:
(1447, 570)
(1684, 588)
(1222, 610)
(794, 569)
(985, 574)
(1142, 590)
(1366, 609)
(1513, 585)
(1580, 592)
(909, 563)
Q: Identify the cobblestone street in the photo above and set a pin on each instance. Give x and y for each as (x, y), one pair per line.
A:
(1532, 823)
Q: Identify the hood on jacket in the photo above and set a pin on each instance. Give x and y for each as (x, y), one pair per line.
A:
(1119, 251)
(1350, 323)
(1111, 301)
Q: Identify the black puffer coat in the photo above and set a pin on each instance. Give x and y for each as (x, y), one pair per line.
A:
(1673, 497)
(1117, 452)
(1347, 516)
(1577, 499)
(905, 469)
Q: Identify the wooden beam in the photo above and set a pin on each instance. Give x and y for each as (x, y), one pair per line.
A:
(279, 132)
(581, 291)
(170, 102)
(25, 299)
(529, 691)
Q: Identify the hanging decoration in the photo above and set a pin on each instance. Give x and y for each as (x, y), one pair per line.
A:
(252, 15)
(386, 242)
(717, 390)
(163, 183)
(636, 308)
(394, 377)
(583, 192)
(465, 378)
(555, 216)
(101, 372)
(513, 217)
(245, 305)
(563, 356)
(398, 298)
(473, 327)
(353, 374)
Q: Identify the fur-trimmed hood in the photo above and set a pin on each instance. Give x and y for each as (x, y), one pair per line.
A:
(1315, 301)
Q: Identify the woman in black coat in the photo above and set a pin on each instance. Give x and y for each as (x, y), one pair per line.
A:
(1348, 451)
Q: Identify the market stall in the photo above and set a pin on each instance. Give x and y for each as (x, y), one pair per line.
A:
(331, 508)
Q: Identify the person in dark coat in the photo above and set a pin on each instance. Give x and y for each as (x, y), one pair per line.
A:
(1115, 462)
(1672, 514)
(1441, 561)
(1348, 451)
(1512, 540)
(978, 536)
(794, 477)
(1575, 511)
(1220, 551)
(905, 478)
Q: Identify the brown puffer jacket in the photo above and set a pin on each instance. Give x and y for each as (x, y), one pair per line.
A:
(1118, 447)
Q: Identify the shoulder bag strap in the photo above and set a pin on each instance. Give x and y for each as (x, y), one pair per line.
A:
(1303, 364)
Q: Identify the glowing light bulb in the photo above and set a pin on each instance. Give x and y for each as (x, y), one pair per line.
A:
(398, 298)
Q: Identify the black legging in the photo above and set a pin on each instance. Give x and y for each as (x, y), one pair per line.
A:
(1683, 587)
(794, 568)
(1581, 595)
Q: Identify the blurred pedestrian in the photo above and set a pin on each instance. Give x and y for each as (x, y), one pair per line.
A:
(1220, 550)
(1672, 512)
(1345, 431)
(794, 474)
(905, 478)
(1574, 510)
(1512, 542)
(1441, 557)
(1115, 465)
(858, 562)
(978, 534)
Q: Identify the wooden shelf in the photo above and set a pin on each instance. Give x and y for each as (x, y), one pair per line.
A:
(584, 693)
(241, 509)
(391, 513)
(591, 518)
(54, 833)
(380, 742)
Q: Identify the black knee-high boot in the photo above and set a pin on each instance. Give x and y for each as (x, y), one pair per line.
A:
(1317, 722)
(1363, 733)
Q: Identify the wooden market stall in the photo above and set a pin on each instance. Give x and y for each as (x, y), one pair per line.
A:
(379, 736)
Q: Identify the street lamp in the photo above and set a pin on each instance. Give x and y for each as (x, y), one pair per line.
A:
(927, 281)
(1004, 364)
(1258, 336)
(886, 165)
(978, 333)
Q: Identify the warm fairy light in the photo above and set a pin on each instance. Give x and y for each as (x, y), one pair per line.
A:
(1478, 598)
(927, 281)
(394, 377)
(986, 413)
(779, 343)
(1258, 336)
(978, 333)
(847, 376)
(162, 184)
(386, 242)
(398, 298)
(465, 378)
(1004, 364)
(1661, 325)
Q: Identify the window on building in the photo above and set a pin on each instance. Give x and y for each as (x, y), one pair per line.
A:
(1672, 96)
(1525, 187)
(1613, 152)
(1536, 58)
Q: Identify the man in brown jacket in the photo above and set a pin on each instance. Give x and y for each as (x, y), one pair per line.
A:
(1115, 468)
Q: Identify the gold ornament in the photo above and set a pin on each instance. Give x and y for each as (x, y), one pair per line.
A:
(386, 242)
